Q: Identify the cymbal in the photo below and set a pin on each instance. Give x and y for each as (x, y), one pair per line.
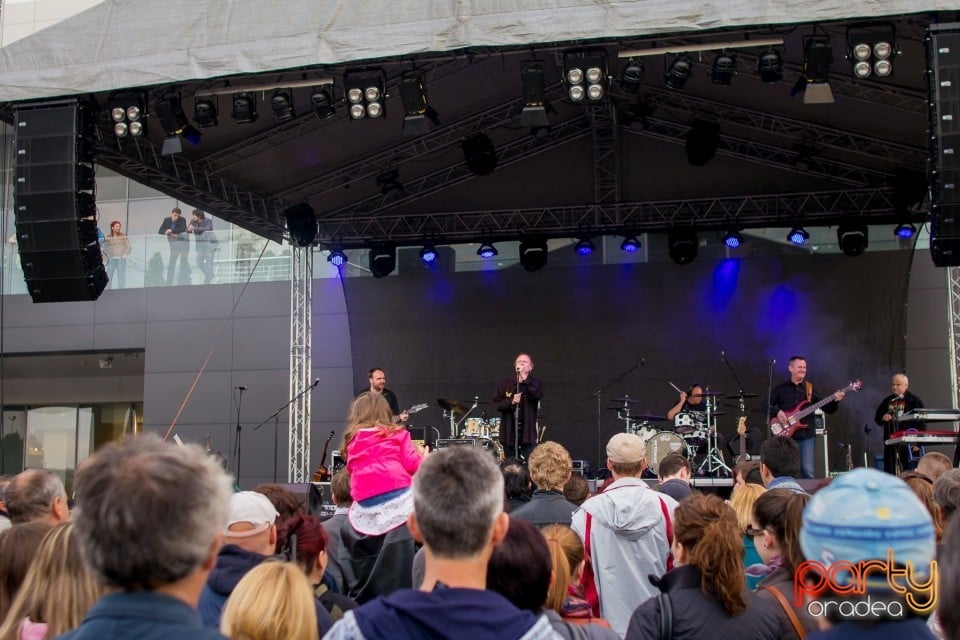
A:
(627, 399)
(709, 394)
(745, 395)
(452, 405)
(643, 417)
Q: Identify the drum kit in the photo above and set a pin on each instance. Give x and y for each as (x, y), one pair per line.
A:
(482, 431)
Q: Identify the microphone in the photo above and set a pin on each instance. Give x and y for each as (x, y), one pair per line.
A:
(518, 369)
(643, 362)
(867, 429)
(723, 354)
(241, 387)
(316, 381)
(773, 361)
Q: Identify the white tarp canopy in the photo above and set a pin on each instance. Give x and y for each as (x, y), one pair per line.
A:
(126, 43)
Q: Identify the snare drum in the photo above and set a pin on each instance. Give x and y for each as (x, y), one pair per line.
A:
(643, 429)
(493, 428)
(661, 445)
(474, 428)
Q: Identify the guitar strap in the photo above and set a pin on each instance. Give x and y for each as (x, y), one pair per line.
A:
(809, 388)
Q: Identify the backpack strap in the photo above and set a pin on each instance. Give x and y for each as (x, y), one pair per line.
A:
(791, 614)
(666, 617)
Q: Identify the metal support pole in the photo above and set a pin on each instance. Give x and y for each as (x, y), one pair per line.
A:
(301, 360)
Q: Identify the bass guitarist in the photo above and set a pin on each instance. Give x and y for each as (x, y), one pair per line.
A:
(787, 396)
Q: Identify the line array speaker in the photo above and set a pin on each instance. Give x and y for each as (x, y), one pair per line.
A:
(54, 203)
(943, 86)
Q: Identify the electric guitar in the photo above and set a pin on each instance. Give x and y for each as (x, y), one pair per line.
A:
(802, 410)
(412, 410)
(742, 430)
(322, 474)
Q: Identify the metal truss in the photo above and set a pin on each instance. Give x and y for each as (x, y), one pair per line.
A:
(817, 207)
(140, 160)
(953, 328)
(301, 362)
(606, 156)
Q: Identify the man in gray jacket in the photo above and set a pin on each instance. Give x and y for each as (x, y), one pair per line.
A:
(630, 529)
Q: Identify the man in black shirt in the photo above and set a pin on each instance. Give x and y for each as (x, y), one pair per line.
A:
(175, 228)
(519, 395)
(785, 399)
(378, 384)
(887, 416)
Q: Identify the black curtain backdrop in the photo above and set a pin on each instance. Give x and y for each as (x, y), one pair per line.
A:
(454, 335)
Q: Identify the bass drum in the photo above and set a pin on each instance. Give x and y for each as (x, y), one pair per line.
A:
(492, 446)
(661, 445)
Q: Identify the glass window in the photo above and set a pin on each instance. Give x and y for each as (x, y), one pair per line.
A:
(110, 186)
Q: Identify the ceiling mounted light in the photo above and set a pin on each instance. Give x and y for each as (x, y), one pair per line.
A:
(817, 58)
(905, 230)
(321, 100)
(281, 102)
(678, 72)
(769, 66)
(487, 251)
(631, 76)
(418, 116)
(365, 93)
(871, 48)
(533, 254)
(702, 141)
(127, 113)
(337, 257)
(205, 112)
(853, 237)
(244, 110)
(479, 154)
(732, 239)
(724, 68)
(383, 260)
(798, 236)
(428, 254)
(585, 74)
(534, 94)
(682, 245)
(630, 244)
(174, 120)
(585, 246)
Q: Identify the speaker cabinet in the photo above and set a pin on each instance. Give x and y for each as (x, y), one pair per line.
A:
(943, 74)
(54, 205)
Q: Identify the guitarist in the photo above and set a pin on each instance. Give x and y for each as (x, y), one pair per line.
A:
(377, 378)
(787, 396)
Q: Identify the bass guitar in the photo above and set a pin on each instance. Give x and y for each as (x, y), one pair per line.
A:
(792, 424)
(322, 474)
(412, 410)
(742, 430)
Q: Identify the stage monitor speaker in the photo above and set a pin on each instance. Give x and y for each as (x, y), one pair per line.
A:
(459, 442)
(320, 500)
(54, 206)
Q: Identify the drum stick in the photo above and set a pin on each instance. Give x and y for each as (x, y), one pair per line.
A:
(679, 390)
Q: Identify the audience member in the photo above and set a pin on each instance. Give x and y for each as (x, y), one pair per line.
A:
(516, 482)
(175, 228)
(458, 516)
(303, 540)
(933, 464)
(273, 601)
(705, 592)
(747, 472)
(57, 592)
(4, 516)
(149, 517)
(336, 552)
(780, 464)
(18, 547)
(566, 594)
(520, 570)
(626, 532)
(674, 476)
(577, 489)
(948, 588)
(946, 493)
(36, 494)
(286, 502)
(550, 468)
(866, 515)
(777, 517)
(742, 499)
(922, 486)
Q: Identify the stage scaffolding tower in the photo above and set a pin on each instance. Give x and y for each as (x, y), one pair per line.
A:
(301, 360)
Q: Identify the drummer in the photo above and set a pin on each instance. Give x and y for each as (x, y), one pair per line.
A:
(691, 401)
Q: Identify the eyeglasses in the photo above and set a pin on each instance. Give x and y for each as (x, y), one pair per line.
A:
(753, 533)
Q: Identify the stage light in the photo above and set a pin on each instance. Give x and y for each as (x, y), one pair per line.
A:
(244, 110)
(905, 230)
(630, 244)
(631, 76)
(702, 141)
(428, 254)
(585, 74)
(817, 58)
(337, 258)
(724, 68)
(678, 72)
(479, 154)
(127, 110)
(174, 121)
(281, 102)
(798, 236)
(853, 237)
(585, 246)
(533, 90)
(682, 245)
(365, 91)
(487, 251)
(418, 116)
(301, 223)
(321, 100)
(383, 260)
(205, 112)
(770, 66)
(732, 239)
(871, 48)
(533, 254)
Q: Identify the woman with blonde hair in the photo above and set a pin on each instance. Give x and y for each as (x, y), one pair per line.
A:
(742, 500)
(566, 594)
(703, 597)
(273, 601)
(57, 592)
(922, 485)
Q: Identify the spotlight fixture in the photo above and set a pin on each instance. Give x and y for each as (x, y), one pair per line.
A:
(682, 245)
(769, 66)
(365, 92)
(631, 76)
(534, 93)
(630, 244)
(205, 112)
(585, 74)
(724, 68)
(732, 239)
(905, 230)
(127, 113)
(487, 251)
(798, 236)
(428, 254)
(871, 48)
(281, 103)
(301, 223)
(853, 237)
(321, 100)
(244, 110)
(479, 154)
(678, 72)
(174, 121)
(702, 141)
(533, 254)
(383, 260)
(337, 257)
(585, 246)
(817, 58)
(418, 116)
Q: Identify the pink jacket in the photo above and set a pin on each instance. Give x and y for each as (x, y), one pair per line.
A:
(381, 460)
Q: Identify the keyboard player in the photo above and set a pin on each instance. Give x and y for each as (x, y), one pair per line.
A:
(887, 416)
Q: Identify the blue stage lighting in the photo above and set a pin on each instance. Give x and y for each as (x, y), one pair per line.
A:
(798, 236)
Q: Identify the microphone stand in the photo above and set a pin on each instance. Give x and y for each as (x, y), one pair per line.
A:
(239, 430)
(741, 401)
(516, 421)
(769, 392)
(598, 394)
(275, 416)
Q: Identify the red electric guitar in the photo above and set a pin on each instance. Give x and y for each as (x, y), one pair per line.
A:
(802, 410)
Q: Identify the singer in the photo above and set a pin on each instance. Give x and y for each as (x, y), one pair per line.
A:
(889, 410)
(519, 395)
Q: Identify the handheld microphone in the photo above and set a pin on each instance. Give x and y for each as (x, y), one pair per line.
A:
(316, 381)
(723, 354)
(241, 387)
(773, 361)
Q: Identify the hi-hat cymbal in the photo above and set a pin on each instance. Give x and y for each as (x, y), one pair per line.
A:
(627, 399)
(710, 394)
(643, 417)
(745, 395)
(453, 405)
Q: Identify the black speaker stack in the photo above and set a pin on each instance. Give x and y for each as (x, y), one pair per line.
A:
(54, 201)
(943, 80)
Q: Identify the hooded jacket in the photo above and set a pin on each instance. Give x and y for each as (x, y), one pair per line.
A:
(629, 542)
